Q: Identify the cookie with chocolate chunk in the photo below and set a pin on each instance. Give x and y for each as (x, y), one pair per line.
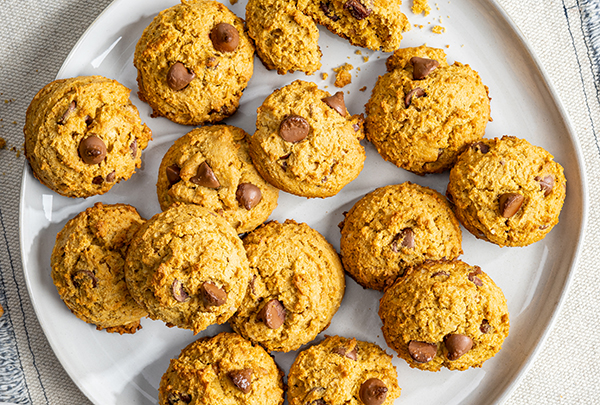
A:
(306, 143)
(193, 62)
(210, 166)
(83, 135)
(444, 314)
(296, 287)
(424, 112)
(88, 261)
(224, 369)
(343, 371)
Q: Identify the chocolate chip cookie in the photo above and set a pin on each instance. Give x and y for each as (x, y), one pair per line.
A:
(83, 135)
(88, 262)
(343, 371)
(193, 62)
(210, 166)
(296, 287)
(187, 267)
(444, 314)
(423, 113)
(224, 369)
(306, 143)
(507, 191)
(395, 227)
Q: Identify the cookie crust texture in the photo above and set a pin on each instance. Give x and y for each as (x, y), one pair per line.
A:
(88, 262)
(171, 258)
(322, 163)
(224, 149)
(64, 114)
(334, 370)
(297, 266)
(396, 227)
(509, 165)
(437, 299)
(205, 371)
(182, 34)
(427, 135)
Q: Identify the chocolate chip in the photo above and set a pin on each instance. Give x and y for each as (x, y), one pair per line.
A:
(357, 9)
(88, 120)
(242, 379)
(473, 276)
(457, 345)
(373, 392)
(319, 401)
(178, 292)
(421, 352)
(510, 204)
(133, 147)
(481, 147)
(406, 239)
(422, 67)
(65, 116)
(294, 128)
(485, 326)
(98, 180)
(205, 177)
(80, 275)
(248, 195)
(352, 355)
(414, 93)
(92, 150)
(337, 103)
(225, 37)
(546, 184)
(326, 9)
(110, 177)
(177, 398)
(173, 174)
(179, 76)
(213, 295)
(272, 314)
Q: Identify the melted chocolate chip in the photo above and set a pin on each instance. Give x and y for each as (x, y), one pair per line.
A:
(213, 295)
(88, 120)
(485, 326)
(248, 195)
(546, 184)
(406, 239)
(422, 352)
(337, 103)
(272, 314)
(66, 114)
(98, 180)
(373, 392)
(294, 128)
(440, 273)
(80, 275)
(242, 379)
(414, 93)
(225, 37)
(173, 174)
(481, 147)
(352, 354)
(178, 398)
(473, 276)
(457, 345)
(133, 147)
(422, 67)
(205, 177)
(326, 9)
(179, 76)
(510, 204)
(178, 292)
(92, 150)
(110, 177)
(357, 9)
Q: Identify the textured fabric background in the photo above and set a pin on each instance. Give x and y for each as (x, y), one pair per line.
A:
(35, 38)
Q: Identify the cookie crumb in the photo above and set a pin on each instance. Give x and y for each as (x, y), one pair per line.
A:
(421, 6)
(358, 52)
(324, 76)
(343, 77)
(363, 88)
(232, 2)
(438, 29)
(2, 143)
(365, 59)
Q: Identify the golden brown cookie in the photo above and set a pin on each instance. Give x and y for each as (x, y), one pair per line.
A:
(423, 113)
(444, 314)
(187, 267)
(88, 262)
(210, 166)
(396, 227)
(507, 191)
(306, 143)
(193, 62)
(83, 135)
(296, 287)
(224, 369)
(343, 371)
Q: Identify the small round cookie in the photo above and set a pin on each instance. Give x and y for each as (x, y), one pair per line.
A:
(83, 135)
(224, 369)
(444, 314)
(423, 113)
(396, 227)
(88, 262)
(285, 38)
(210, 166)
(507, 191)
(296, 287)
(193, 62)
(306, 143)
(343, 371)
(187, 267)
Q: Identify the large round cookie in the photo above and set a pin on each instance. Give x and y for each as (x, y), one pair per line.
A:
(193, 62)
(187, 267)
(424, 112)
(507, 191)
(395, 227)
(343, 371)
(224, 369)
(83, 135)
(444, 314)
(306, 143)
(88, 262)
(296, 287)
(210, 166)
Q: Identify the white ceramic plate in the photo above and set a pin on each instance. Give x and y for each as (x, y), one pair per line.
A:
(114, 369)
